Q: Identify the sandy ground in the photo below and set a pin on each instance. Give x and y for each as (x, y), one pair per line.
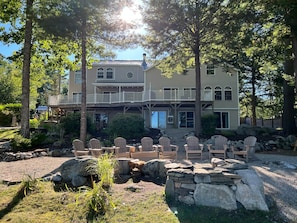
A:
(280, 183)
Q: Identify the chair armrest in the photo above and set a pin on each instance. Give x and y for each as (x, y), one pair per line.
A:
(209, 146)
(174, 147)
(225, 147)
(247, 148)
(140, 148)
(186, 147)
(201, 146)
(131, 149)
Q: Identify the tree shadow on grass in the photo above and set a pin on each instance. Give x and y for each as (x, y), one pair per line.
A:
(16, 199)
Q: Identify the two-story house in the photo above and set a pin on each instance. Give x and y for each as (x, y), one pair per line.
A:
(131, 87)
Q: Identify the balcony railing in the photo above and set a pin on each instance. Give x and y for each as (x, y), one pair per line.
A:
(130, 97)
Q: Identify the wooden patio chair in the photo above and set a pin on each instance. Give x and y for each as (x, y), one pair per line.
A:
(193, 148)
(147, 150)
(95, 147)
(79, 148)
(167, 150)
(248, 149)
(219, 148)
(124, 149)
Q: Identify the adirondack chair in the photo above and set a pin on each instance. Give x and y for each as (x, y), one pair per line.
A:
(95, 147)
(248, 149)
(219, 148)
(79, 148)
(147, 150)
(193, 148)
(167, 150)
(124, 149)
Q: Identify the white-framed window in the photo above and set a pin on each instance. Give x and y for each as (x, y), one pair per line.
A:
(189, 93)
(222, 120)
(109, 73)
(76, 96)
(218, 93)
(77, 77)
(158, 119)
(170, 93)
(100, 73)
(228, 93)
(210, 69)
(207, 94)
(186, 119)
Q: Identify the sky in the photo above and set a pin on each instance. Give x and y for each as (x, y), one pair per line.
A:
(128, 14)
(128, 54)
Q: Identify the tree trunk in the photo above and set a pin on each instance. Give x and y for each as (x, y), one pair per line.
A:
(289, 126)
(198, 126)
(254, 98)
(83, 118)
(25, 113)
(295, 60)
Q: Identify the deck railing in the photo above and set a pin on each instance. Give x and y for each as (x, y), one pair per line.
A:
(130, 97)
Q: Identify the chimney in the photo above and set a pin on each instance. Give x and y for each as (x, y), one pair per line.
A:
(144, 64)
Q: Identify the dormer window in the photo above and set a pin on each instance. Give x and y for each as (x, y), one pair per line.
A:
(100, 73)
(218, 93)
(109, 73)
(210, 69)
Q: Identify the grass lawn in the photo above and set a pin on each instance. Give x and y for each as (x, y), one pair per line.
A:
(46, 205)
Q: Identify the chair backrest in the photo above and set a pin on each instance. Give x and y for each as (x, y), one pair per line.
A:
(165, 142)
(192, 142)
(121, 143)
(147, 144)
(95, 143)
(78, 145)
(219, 142)
(250, 141)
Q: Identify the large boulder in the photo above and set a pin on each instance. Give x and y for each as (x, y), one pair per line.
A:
(250, 192)
(76, 171)
(212, 195)
(155, 169)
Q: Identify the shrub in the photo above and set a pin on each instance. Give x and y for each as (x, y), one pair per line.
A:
(71, 124)
(34, 123)
(19, 143)
(208, 123)
(129, 126)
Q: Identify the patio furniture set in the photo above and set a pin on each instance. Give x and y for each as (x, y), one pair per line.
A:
(147, 150)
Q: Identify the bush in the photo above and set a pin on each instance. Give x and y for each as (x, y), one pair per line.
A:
(129, 126)
(19, 143)
(34, 123)
(71, 124)
(208, 123)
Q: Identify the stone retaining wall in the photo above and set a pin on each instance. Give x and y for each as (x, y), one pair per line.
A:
(221, 183)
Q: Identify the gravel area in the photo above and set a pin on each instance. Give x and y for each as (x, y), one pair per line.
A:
(280, 181)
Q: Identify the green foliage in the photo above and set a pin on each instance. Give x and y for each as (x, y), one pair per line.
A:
(129, 126)
(20, 143)
(71, 124)
(105, 169)
(30, 185)
(38, 139)
(34, 123)
(5, 119)
(99, 202)
(208, 124)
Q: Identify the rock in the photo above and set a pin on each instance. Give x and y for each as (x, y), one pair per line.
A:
(155, 168)
(189, 200)
(250, 193)
(215, 196)
(74, 170)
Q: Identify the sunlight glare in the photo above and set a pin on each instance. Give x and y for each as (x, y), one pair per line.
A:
(131, 15)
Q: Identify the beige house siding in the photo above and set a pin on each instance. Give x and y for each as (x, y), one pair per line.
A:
(152, 95)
